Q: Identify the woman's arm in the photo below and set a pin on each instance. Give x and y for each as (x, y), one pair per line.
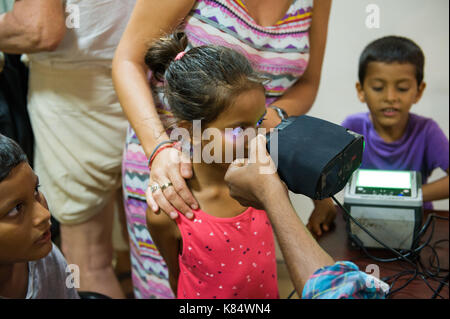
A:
(167, 238)
(300, 97)
(436, 190)
(32, 26)
(149, 21)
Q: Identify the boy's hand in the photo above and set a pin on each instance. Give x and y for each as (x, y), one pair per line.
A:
(322, 216)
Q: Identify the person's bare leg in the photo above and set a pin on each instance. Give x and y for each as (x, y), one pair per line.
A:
(89, 245)
(122, 216)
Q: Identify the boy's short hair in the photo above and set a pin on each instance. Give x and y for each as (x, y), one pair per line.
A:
(11, 155)
(392, 49)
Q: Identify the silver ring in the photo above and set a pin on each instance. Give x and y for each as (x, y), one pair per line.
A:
(154, 188)
(166, 185)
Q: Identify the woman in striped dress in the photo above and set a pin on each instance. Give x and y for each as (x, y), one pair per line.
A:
(283, 39)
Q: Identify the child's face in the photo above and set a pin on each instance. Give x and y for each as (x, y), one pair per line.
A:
(24, 218)
(246, 113)
(390, 90)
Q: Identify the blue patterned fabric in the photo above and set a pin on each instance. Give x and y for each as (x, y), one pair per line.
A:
(344, 280)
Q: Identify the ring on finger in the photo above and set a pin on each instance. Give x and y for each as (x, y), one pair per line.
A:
(166, 185)
(154, 188)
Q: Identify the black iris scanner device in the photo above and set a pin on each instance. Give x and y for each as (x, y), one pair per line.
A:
(315, 157)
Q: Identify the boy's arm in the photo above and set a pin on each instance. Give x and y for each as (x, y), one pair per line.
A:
(436, 190)
(437, 150)
(167, 238)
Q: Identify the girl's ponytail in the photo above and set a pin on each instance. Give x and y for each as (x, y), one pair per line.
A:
(163, 52)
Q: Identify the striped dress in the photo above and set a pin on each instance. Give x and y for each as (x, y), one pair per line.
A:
(280, 52)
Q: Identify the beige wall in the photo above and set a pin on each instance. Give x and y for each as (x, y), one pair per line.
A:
(425, 22)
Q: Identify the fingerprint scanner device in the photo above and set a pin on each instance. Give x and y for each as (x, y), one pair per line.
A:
(388, 204)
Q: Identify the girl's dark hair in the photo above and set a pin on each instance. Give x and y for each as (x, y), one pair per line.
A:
(201, 84)
(392, 49)
(11, 155)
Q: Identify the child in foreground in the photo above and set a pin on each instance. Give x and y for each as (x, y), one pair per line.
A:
(391, 72)
(31, 266)
(228, 250)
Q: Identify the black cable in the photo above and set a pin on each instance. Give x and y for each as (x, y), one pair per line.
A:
(404, 254)
(400, 256)
(370, 234)
(405, 272)
(416, 273)
(291, 294)
(424, 228)
(391, 292)
(432, 266)
(410, 252)
(436, 256)
(438, 290)
(428, 275)
(373, 237)
(436, 293)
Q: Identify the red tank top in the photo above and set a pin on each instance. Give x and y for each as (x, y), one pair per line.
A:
(227, 258)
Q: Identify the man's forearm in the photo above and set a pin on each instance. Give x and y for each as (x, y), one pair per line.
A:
(302, 254)
(32, 26)
(13, 38)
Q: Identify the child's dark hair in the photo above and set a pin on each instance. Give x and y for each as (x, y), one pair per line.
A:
(201, 84)
(392, 49)
(11, 155)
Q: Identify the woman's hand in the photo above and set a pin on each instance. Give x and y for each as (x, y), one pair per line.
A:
(271, 120)
(171, 166)
(322, 216)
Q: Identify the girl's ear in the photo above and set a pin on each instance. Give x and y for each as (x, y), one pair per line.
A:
(360, 92)
(420, 90)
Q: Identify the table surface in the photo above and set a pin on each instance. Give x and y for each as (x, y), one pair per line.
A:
(337, 244)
